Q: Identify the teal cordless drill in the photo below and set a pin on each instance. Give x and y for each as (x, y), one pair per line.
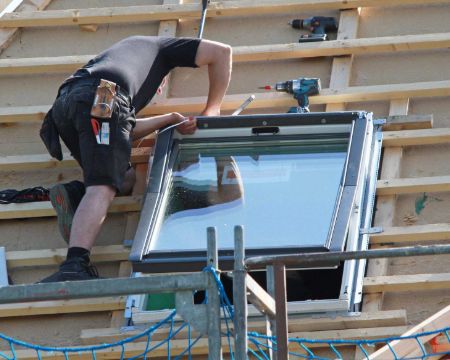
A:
(301, 88)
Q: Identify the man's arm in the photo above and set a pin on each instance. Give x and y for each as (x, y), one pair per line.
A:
(218, 57)
(146, 126)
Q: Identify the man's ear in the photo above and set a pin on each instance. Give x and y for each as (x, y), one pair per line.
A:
(161, 86)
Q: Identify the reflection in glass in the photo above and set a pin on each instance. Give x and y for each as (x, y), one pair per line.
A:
(278, 192)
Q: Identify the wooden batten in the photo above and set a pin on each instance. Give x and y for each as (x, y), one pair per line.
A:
(45, 209)
(381, 319)
(418, 282)
(20, 259)
(413, 185)
(416, 137)
(340, 47)
(62, 307)
(412, 234)
(263, 100)
(201, 347)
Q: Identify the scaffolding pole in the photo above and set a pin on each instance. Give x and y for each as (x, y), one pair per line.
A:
(279, 263)
(311, 259)
(240, 295)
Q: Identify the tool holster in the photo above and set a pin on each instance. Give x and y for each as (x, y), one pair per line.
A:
(103, 105)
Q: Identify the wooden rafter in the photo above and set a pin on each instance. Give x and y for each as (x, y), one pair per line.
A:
(135, 14)
(342, 66)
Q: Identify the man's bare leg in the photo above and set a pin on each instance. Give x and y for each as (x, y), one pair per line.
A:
(91, 212)
(90, 215)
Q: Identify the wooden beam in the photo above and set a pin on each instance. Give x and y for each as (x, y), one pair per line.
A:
(410, 348)
(44, 208)
(395, 283)
(62, 307)
(408, 122)
(135, 349)
(416, 137)
(413, 185)
(263, 100)
(134, 14)
(296, 324)
(16, 259)
(260, 298)
(68, 64)
(414, 233)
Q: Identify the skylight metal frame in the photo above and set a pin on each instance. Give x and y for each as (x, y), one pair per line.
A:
(356, 125)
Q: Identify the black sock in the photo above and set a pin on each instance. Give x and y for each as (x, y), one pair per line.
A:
(78, 252)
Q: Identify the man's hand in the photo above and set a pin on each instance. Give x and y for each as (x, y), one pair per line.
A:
(210, 112)
(188, 126)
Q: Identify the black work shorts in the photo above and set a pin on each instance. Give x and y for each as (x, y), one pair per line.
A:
(102, 164)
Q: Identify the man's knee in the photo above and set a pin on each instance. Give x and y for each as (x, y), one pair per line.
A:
(105, 192)
(128, 182)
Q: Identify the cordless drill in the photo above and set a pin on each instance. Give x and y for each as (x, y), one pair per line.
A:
(317, 25)
(301, 88)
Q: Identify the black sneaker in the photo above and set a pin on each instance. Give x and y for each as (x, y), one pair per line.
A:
(65, 199)
(73, 269)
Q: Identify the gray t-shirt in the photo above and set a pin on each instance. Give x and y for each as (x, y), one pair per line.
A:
(138, 64)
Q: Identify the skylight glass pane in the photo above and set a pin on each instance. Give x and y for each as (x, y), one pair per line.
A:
(277, 192)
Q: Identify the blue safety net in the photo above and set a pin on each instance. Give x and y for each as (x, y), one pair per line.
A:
(151, 343)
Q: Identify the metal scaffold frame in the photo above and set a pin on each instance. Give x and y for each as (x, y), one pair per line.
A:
(206, 317)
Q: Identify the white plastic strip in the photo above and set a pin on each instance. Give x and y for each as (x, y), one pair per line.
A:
(13, 5)
(3, 270)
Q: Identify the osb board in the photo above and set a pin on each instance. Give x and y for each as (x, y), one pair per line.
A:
(65, 327)
(419, 306)
(421, 19)
(35, 42)
(367, 70)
